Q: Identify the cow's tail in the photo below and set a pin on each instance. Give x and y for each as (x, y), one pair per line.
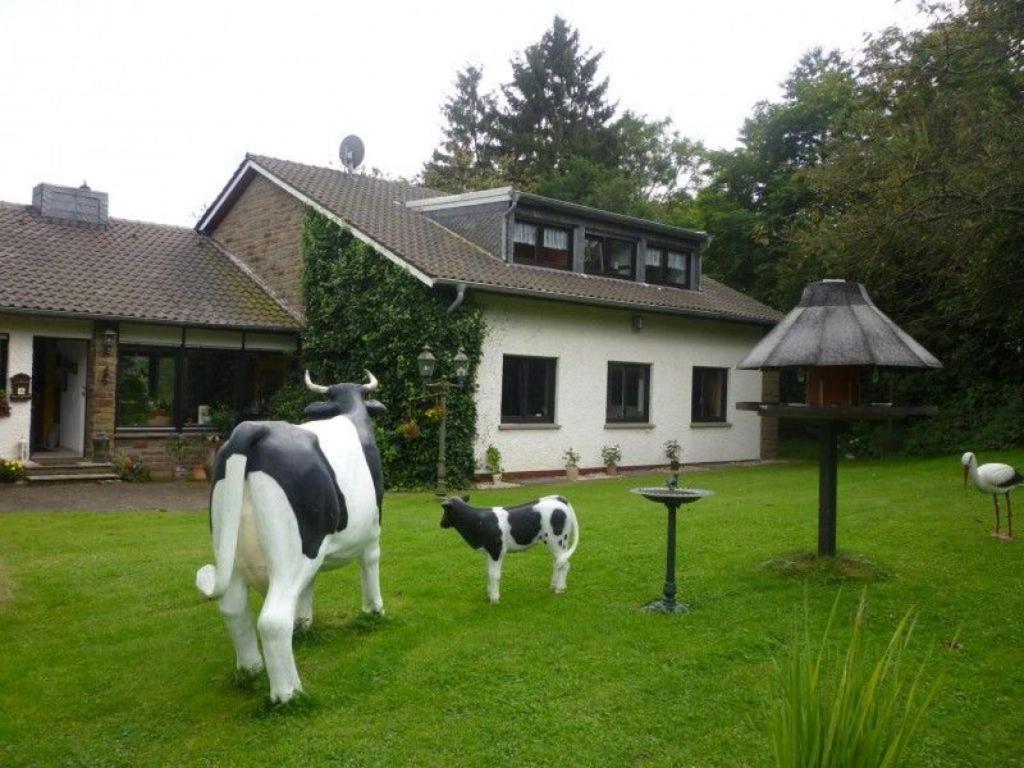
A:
(225, 515)
(571, 521)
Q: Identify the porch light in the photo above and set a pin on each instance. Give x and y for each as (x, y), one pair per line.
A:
(426, 362)
(461, 365)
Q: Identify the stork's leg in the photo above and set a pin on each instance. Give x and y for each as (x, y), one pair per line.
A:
(995, 503)
(370, 565)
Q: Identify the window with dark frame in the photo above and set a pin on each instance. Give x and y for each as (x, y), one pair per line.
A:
(710, 394)
(610, 257)
(629, 393)
(160, 387)
(528, 390)
(665, 266)
(4, 384)
(541, 245)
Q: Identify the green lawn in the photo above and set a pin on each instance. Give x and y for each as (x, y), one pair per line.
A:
(109, 657)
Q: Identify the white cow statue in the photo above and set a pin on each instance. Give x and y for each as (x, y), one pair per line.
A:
(287, 502)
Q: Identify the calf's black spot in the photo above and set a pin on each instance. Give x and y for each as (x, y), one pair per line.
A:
(558, 521)
(524, 523)
(478, 527)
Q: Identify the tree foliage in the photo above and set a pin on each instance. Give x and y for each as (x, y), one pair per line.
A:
(363, 312)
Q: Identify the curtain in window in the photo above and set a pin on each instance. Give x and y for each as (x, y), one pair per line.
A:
(556, 239)
(525, 233)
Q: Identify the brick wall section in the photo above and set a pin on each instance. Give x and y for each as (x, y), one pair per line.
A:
(100, 387)
(151, 450)
(769, 424)
(264, 230)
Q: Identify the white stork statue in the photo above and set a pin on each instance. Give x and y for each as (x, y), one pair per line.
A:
(995, 479)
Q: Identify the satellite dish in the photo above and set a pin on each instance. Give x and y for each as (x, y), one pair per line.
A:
(351, 152)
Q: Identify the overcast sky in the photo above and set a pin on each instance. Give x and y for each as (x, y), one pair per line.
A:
(157, 102)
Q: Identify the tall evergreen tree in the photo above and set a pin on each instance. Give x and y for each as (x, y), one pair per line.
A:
(555, 108)
(465, 161)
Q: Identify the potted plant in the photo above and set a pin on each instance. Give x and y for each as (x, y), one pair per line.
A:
(178, 449)
(222, 421)
(672, 452)
(572, 465)
(492, 461)
(611, 455)
(11, 471)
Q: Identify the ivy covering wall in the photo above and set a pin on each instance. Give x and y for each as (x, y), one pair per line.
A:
(364, 312)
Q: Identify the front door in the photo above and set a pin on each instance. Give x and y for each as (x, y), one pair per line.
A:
(58, 396)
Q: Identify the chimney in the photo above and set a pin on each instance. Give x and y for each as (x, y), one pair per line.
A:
(79, 204)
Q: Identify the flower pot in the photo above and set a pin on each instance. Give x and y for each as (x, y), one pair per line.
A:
(611, 469)
(198, 473)
(572, 474)
(496, 478)
(180, 473)
(674, 465)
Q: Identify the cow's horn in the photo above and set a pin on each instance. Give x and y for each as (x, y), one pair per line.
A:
(370, 385)
(315, 387)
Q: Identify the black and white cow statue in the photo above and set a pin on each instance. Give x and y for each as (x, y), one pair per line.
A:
(500, 530)
(288, 501)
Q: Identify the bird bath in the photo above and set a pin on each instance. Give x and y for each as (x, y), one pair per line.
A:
(672, 497)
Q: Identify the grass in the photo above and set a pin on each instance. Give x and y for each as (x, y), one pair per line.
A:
(108, 657)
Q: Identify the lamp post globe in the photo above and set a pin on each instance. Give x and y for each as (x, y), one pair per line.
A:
(426, 363)
(461, 362)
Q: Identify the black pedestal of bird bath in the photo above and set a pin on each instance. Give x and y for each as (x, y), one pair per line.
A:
(672, 498)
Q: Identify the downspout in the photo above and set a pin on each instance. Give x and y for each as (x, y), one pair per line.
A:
(460, 296)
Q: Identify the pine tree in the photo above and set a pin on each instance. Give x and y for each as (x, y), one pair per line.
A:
(555, 109)
(465, 161)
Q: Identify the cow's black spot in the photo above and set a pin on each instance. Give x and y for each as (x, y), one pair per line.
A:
(558, 521)
(293, 458)
(524, 523)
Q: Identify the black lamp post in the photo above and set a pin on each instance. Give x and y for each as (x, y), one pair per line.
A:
(438, 389)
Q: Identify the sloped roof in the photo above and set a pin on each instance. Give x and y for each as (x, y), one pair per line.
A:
(126, 270)
(836, 323)
(376, 208)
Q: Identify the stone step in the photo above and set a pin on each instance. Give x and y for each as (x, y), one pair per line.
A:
(76, 477)
(37, 469)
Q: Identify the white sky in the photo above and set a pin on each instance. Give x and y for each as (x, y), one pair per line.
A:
(157, 102)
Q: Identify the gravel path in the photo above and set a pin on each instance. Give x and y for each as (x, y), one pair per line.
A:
(104, 497)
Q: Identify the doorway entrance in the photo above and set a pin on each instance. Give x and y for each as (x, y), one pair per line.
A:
(58, 397)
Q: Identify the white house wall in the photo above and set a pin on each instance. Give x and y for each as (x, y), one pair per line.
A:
(584, 340)
(21, 329)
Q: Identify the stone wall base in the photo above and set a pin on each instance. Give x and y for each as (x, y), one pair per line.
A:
(151, 450)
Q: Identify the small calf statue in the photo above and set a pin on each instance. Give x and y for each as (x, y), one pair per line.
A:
(289, 501)
(500, 530)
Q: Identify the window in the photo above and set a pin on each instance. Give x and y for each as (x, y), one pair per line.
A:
(710, 386)
(3, 363)
(161, 387)
(146, 383)
(667, 267)
(629, 393)
(541, 245)
(610, 257)
(528, 390)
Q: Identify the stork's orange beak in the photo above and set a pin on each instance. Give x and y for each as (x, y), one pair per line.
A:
(965, 477)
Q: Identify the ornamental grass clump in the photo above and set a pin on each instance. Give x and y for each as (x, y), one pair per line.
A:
(849, 711)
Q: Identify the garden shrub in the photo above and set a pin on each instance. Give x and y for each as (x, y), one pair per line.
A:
(11, 471)
(364, 312)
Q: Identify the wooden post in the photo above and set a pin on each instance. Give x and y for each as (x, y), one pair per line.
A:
(827, 491)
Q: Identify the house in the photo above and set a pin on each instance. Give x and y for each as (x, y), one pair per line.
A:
(125, 331)
(601, 328)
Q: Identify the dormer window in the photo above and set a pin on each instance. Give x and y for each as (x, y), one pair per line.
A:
(667, 267)
(610, 257)
(542, 245)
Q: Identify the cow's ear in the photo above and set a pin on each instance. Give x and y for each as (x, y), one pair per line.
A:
(321, 410)
(375, 408)
(465, 498)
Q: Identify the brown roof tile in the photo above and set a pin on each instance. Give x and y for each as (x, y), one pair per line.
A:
(376, 208)
(126, 270)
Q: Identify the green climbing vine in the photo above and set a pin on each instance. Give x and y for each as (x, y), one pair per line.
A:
(364, 312)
